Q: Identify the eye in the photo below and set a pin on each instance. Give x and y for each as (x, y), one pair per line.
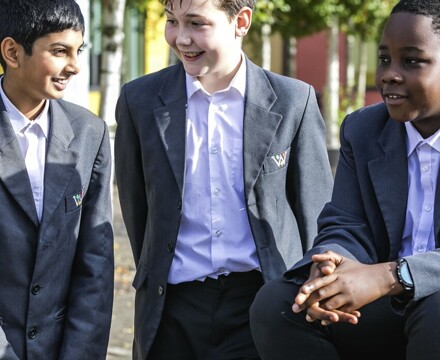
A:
(171, 22)
(413, 61)
(383, 59)
(197, 24)
(59, 51)
(80, 50)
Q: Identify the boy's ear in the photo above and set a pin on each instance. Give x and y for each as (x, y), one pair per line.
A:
(243, 21)
(9, 49)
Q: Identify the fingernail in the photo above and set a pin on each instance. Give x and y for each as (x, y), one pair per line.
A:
(295, 308)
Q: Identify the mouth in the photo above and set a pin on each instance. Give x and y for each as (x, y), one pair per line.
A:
(191, 54)
(60, 83)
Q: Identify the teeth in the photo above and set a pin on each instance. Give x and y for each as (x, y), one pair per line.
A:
(61, 81)
(393, 96)
(191, 54)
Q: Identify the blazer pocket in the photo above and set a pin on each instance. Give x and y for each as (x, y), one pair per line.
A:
(276, 161)
(74, 201)
(140, 277)
(61, 313)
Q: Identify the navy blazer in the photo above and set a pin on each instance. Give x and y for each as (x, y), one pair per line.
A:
(282, 202)
(56, 275)
(366, 216)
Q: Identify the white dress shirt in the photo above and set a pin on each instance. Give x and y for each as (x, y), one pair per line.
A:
(423, 167)
(215, 236)
(32, 137)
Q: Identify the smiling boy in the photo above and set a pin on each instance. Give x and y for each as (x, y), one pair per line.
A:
(56, 239)
(222, 170)
(369, 288)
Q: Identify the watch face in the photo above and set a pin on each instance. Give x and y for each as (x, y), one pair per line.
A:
(405, 275)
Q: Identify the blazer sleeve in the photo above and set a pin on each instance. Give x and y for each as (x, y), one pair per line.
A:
(310, 186)
(342, 225)
(88, 318)
(129, 175)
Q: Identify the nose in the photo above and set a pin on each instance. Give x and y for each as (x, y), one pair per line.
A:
(183, 37)
(73, 67)
(392, 74)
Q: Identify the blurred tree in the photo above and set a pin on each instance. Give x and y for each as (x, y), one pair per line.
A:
(113, 12)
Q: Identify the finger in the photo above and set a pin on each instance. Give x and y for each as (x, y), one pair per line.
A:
(351, 318)
(327, 267)
(317, 287)
(328, 256)
(318, 313)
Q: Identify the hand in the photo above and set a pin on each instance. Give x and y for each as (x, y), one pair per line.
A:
(323, 266)
(351, 285)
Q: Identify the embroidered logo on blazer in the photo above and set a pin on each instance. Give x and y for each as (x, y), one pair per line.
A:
(75, 201)
(280, 159)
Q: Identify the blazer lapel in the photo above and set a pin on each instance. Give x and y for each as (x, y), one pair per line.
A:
(389, 175)
(61, 160)
(171, 121)
(260, 124)
(13, 171)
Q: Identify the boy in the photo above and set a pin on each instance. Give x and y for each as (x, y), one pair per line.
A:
(222, 170)
(376, 253)
(56, 238)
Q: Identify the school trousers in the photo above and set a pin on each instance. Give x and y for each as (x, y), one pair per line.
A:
(381, 333)
(208, 320)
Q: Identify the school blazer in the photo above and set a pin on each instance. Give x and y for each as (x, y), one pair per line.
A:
(366, 216)
(282, 200)
(56, 276)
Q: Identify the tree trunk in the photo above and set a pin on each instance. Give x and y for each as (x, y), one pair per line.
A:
(289, 56)
(112, 52)
(331, 92)
(362, 80)
(351, 74)
(266, 46)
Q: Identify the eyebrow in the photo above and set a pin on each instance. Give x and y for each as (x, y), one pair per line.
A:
(406, 48)
(67, 46)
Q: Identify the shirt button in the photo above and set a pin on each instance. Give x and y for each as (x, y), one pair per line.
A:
(160, 290)
(36, 289)
(425, 168)
(218, 233)
(216, 191)
(427, 208)
(214, 150)
(32, 333)
(419, 248)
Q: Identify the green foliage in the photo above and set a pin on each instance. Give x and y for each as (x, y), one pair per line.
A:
(140, 5)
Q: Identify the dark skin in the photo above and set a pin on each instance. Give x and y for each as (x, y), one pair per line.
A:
(408, 79)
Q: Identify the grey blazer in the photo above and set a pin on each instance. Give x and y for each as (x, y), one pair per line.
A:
(283, 201)
(56, 276)
(366, 216)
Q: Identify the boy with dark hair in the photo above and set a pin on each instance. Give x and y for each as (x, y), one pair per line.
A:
(377, 251)
(56, 239)
(222, 170)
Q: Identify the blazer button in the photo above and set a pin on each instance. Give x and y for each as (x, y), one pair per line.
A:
(36, 289)
(32, 333)
(179, 206)
(170, 247)
(160, 290)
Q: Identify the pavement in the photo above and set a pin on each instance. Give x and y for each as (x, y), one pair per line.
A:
(121, 332)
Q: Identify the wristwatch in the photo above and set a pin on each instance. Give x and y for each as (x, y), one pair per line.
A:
(404, 276)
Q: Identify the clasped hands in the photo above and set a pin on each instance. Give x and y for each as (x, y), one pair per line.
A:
(338, 287)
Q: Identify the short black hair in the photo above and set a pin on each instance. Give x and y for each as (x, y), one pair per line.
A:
(429, 8)
(27, 20)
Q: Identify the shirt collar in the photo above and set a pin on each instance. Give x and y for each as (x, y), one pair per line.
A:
(414, 139)
(20, 122)
(238, 82)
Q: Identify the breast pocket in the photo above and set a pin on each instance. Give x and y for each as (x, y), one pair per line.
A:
(276, 161)
(74, 201)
